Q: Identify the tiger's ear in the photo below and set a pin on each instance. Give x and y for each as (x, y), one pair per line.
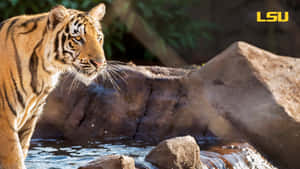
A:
(98, 12)
(57, 15)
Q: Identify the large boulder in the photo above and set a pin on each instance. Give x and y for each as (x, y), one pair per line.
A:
(148, 105)
(258, 93)
(111, 162)
(244, 92)
(176, 153)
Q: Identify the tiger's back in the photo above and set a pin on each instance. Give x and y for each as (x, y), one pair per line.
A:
(21, 38)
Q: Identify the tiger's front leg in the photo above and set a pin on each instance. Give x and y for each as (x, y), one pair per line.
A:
(25, 134)
(11, 155)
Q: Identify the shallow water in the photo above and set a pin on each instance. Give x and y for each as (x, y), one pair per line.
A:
(58, 154)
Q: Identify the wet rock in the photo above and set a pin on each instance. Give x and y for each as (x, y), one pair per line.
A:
(176, 153)
(244, 92)
(111, 162)
(234, 155)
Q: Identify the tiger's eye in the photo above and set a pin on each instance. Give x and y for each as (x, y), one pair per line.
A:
(78, 38)
(99, 38)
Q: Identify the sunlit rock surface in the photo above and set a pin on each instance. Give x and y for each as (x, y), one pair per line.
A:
(257, 92)
(176, 153)
(244, 92)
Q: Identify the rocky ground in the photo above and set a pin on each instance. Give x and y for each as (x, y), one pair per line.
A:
(243, 93)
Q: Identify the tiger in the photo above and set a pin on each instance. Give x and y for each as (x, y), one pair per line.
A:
(35, 51)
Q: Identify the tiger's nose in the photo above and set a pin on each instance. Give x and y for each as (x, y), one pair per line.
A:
(98, 62)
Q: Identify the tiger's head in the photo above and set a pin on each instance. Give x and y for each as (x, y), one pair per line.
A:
(77, 41)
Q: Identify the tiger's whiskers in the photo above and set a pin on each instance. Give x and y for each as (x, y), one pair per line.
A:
(113, 72)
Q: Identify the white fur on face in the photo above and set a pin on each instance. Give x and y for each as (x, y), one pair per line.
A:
(76, 29)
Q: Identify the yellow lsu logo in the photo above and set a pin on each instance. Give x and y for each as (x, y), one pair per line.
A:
(273, 16)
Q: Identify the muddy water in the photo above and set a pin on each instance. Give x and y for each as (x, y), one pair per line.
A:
(58, 154)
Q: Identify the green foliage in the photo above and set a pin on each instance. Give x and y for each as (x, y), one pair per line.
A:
(172, 21)
(169, 18)
(114, 34)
